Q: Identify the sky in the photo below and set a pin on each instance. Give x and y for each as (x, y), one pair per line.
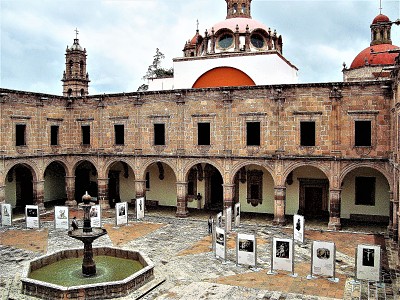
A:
(121, 37)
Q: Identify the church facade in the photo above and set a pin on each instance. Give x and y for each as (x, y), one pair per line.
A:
(323, 150)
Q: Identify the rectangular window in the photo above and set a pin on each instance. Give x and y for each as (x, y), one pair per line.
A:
(365, 191)
(203, 133)
(119, 134)
(54, 135)
(159, 134)
(85, 135)
(20, 138)
(362, 133)
(253, 133)
(307, 133)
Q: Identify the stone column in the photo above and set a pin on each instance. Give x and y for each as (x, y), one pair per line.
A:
(228, 195)
(38, 194)
(102, 186)
(334, 214)
(140, 187)
(181, 203)
(395, 221)
(279, 207)
(2, 194)
(70, 190)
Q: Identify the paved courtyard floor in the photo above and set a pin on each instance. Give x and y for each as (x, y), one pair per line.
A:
(186, 267)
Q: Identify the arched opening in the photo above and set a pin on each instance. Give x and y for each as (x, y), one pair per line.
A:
(19, 187)
(85, 180)
(160, 185)
(307, 193)
(213, 189)
(121, 183)
(254, 189)
(54, 184)
(365, 196)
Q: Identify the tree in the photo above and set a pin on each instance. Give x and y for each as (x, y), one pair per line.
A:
(155, 70)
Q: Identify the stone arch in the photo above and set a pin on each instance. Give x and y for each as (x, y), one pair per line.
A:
(148, 163)
(61, 162)
(193, 163)
(54, 181)
(31, 165)
(111, 162)
(350, 167)
(81, 160)
(86, 181)
(320, 166)
(238, 166)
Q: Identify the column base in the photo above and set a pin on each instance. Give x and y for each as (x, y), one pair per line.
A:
(182, 214)
(279, 221)
(104, 204)
(334, 224)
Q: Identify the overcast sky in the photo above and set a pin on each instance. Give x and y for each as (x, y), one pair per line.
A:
(121, 36)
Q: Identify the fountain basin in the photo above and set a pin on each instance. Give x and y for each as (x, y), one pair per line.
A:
(99, 290)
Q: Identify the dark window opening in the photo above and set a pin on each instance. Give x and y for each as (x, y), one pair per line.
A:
(20, 138)
(54, 135)
(119, 134)
(85, 135)
(159, 134)
(147, 180)
(253, 133)
(307, 133)
(203, 133)
(254, 191)
(365, 191)
(363, 133)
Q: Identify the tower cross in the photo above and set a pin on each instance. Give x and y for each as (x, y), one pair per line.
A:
(380, 6)
(76, 33)
(197, 24)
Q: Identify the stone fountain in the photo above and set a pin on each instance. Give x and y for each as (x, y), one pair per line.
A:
(87, 235)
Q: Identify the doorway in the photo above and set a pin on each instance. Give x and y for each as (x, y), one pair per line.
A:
(313, 198)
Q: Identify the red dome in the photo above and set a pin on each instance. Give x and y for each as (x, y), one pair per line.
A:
(375, 55)
(380, 19)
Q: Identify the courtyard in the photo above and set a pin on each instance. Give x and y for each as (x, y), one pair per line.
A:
(186, 267)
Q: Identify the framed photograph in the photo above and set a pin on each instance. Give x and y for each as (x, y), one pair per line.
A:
(6, 214)
(95, 216)
(237, 214)
(219, 220)
(228, 219)
(246, 249)
(323, 258)
(32, 216)
(368, 262)
(61, 217)
(140, 208)
(298, 228)
(220, 243)
(282, 254)
(121, 213)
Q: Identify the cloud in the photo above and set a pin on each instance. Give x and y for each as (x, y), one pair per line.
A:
(121, 36)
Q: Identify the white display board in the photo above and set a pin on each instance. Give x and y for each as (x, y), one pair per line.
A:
(282, 254)
(228, 219)
(61, 217)
(298, 228)
(219, 220)
(121, 213)
(32, 216)
(140, 208)
(237, 214)
(246, 246)
(323, 258)
(95, 216)
(220, 242)
(368, 263)
(6, 214)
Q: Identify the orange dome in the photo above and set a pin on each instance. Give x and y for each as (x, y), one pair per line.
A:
(380, 19)
(375, 55)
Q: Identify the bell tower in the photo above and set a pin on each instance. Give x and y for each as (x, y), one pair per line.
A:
(238, 9)
(75, 78)
(380, 30)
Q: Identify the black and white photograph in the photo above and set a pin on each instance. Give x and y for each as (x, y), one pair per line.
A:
(94, 212)
(220, 242)
(282, 249)
(121, 211)
(368, 263)
(31, 212)
(220, 238)
(32, 216)
(61, 220)
(298, 228)
(323, 253)
(246, 245)
(368, 257)
(140, 208)
(323, 258)
(6, 214)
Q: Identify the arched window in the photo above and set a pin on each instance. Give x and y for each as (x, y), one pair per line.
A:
(81, 67)
(235, 8)
(70, 64)
(243, 8)
(82, 92)
(69, 92)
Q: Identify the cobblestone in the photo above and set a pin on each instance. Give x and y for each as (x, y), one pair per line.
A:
(197, 274)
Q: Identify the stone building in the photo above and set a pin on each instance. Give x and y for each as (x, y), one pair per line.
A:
(324, 150)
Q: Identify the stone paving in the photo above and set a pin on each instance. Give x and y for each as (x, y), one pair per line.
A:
(186, 267)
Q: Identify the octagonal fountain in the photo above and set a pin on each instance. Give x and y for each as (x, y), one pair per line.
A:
(61, 275)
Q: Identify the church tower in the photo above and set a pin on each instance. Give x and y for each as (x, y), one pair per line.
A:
(380, 30)
(75, 78)
(238, 9)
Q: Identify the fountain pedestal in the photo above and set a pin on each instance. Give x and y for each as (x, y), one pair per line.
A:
(87, 235)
